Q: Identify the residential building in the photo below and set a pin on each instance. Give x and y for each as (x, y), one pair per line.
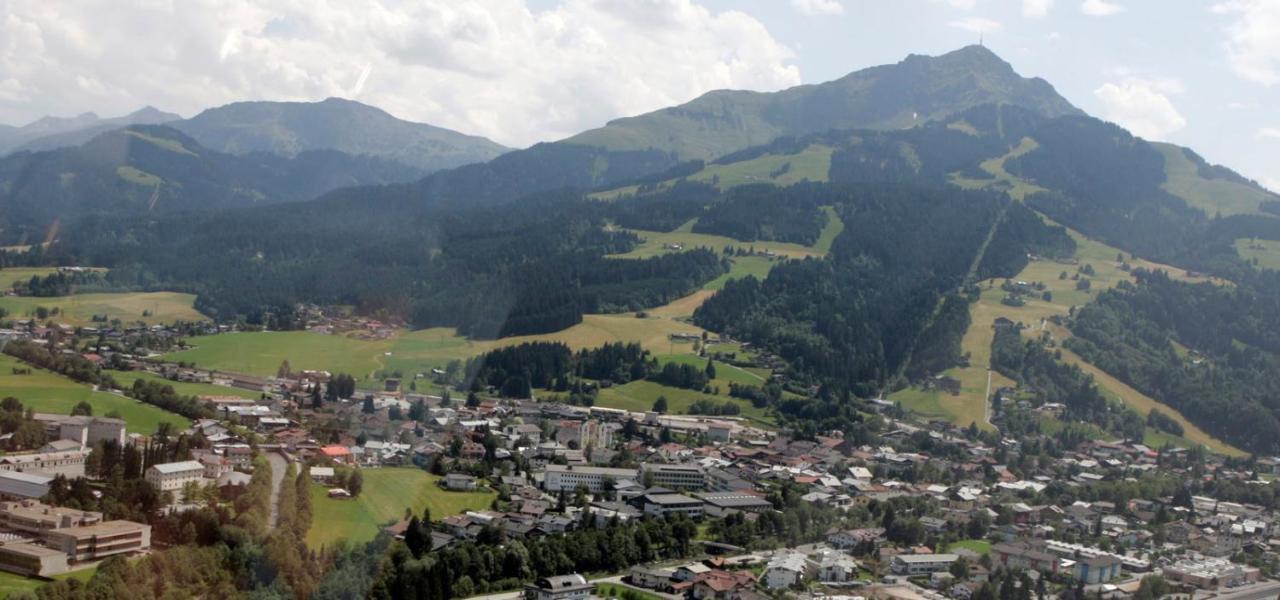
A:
(567, 478)
(784, 570)
(169, 477)
(836, 567)
(1097, 569)
(459, 482)
(561, 587)
(921, 564)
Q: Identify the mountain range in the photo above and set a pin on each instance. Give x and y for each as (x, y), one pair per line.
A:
(943, 172)
(49, 133)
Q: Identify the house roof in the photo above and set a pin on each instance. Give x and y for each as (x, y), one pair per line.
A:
(178, 467)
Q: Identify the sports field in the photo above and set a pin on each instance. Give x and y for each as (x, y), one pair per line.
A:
(387, 492)
(45, 391)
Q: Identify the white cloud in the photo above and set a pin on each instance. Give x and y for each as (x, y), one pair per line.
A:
(1036, 9)
(976, 24)
(1271, 183)
(1142, 106)
(1100, 8)
(499, 68)
(818, 7)
(1253, 39)
(1268, 133)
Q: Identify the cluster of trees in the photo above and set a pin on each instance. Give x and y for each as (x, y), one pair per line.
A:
(759, 397)
(17, 422)
(684, 375)
(518, 370)
(665, 209)
(56, 284)
(1232, 392)
(73, 366)
(707, 406)
(477, 568)
(1162, 422)
(162, 395)
(1034, 367)
(341, 385)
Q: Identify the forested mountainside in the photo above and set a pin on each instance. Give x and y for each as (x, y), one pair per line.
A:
(887, 296)
(291, 128)
(520, 244)
(151, 169)
(1212, 352)
(531, 267)
(907, 94)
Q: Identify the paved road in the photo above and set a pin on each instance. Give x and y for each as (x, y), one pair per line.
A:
(615, 579)
(278, 466)
(1266, 589)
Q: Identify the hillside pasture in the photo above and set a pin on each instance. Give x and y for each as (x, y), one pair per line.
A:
(1265, 254)
(129, 307)
(49, 392)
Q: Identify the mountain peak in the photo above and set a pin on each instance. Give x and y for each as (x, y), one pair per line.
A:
(909, 93)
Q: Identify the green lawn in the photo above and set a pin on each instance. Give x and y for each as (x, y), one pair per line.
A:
(1265, 254)
(743, 266)
(126, 379)
(613, 590)
(79, 309)
(975, 546)
(260, 353)
(12, 582)
(639, 396)
(387, 492)
(45, 391)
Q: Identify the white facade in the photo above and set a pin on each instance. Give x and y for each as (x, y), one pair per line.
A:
(567, 478)
(173, 476)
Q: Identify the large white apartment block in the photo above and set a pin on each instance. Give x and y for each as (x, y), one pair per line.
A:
(170, 477)
(568, 478)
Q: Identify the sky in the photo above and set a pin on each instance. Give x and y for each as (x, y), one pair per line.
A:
(1204, 74)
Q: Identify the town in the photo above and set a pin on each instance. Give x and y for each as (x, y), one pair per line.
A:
(922, 509)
